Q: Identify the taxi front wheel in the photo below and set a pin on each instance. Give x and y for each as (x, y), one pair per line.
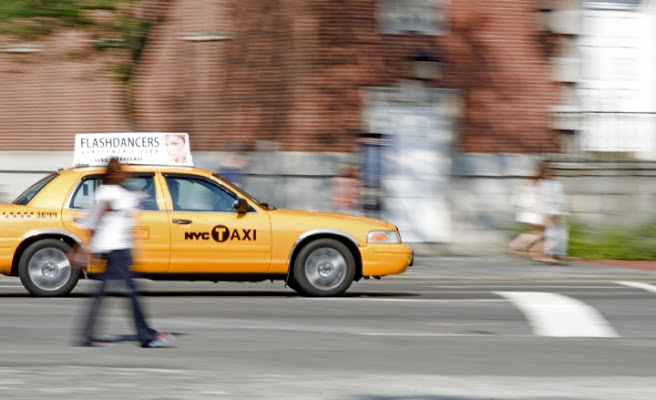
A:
(44, 269)
(324, 267)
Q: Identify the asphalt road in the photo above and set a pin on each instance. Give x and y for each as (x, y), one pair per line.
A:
(448, 329)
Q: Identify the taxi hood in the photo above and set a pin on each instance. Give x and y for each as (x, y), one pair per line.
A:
(332, 216)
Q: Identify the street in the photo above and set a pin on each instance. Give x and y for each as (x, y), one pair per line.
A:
(448, 329)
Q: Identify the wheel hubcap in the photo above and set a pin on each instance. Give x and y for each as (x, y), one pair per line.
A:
(49, 269)
(325, 268)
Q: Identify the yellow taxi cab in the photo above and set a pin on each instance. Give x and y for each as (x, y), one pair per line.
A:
(192, 225)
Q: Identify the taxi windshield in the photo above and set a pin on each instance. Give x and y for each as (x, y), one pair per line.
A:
(32, 191)
(243, 194)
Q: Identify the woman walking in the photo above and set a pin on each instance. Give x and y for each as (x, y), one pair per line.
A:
(110, 224)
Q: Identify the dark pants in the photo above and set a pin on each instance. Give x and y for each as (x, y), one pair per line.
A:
(118, 268)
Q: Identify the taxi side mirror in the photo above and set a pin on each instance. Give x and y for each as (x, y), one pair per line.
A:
(241, 205)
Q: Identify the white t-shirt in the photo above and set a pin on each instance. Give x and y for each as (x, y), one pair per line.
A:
(114, 229)
(529, 203)
(540, 199)
(555, 201)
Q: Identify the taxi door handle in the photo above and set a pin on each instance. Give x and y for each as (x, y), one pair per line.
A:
(182, 221)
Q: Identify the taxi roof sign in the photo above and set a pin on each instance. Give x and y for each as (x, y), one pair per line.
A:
(153, 148)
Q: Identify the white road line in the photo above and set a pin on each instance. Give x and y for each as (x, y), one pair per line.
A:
(411, 334)
(519, 286)
(552, 314)
(640, 285)
(362, 299)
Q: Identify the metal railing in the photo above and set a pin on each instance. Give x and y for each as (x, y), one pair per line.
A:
(607, 136)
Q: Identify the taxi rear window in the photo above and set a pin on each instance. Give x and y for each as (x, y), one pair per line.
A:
(144, 183)
(29, 194)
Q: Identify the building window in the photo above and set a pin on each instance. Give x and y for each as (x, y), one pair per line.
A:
(612, 4)
(399, 17)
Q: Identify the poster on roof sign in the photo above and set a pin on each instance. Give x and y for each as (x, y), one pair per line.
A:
(95, 149)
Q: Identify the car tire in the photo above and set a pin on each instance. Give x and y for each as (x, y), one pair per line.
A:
(293, 284)
(324, 267)
(45, 270)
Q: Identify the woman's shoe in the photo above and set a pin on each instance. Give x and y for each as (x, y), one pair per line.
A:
(97, 343)
(548, 260)
(162, 339)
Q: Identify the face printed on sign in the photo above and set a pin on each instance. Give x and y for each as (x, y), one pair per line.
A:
(176, 149)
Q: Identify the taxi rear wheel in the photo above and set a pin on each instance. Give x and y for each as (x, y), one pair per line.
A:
(324, 267)
(44, 269)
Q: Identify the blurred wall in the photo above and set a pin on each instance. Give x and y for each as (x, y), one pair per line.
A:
(480, 188)
(599, 194)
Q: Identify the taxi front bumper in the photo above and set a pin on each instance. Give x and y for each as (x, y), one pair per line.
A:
(385, 259)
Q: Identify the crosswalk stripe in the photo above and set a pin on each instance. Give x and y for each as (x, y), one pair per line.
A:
(639, 285)
(552, 314)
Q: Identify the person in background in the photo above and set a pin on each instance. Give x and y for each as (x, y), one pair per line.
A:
(109, 223)
(176, 148)
(232, 168)
(556, 234)
(541, 204)
(347, 190)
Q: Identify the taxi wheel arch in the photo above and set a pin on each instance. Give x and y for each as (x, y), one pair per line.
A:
(44, 270)
(324, 267)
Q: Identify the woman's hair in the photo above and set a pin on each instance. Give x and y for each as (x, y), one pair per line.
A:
(178, 136)
(543, 169)
(113, 168)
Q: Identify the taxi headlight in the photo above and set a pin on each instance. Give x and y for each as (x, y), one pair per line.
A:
(383, 237)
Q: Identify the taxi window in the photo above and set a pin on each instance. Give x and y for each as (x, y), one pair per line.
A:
(29, 194)
(190, 193)
(83, 196)
(146, 185)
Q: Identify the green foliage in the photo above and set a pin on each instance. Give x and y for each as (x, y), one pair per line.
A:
(32, 19)
(613, 243)
(133, 34)
(617, 243)
(123, 72)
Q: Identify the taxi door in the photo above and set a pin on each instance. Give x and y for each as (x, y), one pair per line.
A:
(151, 227)
(208, 235)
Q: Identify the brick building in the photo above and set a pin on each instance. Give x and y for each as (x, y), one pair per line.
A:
(290, 72)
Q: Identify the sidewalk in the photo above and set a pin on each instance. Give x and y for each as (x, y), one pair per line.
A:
(645, 265)
(507, 267)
